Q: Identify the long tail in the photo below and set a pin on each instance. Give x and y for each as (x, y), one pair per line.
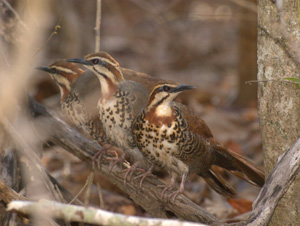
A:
(238, 165)
(217, 183)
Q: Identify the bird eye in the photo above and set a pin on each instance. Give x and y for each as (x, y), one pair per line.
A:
(53, 70)
(95, 61)
(166, 88)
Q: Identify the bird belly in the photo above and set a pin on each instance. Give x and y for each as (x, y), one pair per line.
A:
(117, 125)
(161, 149)
(75, 111)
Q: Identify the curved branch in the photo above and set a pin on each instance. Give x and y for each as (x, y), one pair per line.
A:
(148, 197)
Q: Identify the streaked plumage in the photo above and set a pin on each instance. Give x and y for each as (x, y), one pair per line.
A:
(80, 92)
(171, 137)
(119, 104)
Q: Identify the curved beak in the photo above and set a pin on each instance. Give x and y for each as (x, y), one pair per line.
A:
(43, 69)
(80, 61)
(181, 88)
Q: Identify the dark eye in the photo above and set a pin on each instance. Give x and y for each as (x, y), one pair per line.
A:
(53, 70)
(166, 88)
(95, 61)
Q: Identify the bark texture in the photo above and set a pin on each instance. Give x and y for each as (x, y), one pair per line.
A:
(279, 102)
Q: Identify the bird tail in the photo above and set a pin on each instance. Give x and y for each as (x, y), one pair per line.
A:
(217, 183)
(238, 165)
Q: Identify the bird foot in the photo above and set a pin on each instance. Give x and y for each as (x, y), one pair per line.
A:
(115, 160)
(174, 194)
(129, 172)
(166, 188)
(99, 155)
(144, 175)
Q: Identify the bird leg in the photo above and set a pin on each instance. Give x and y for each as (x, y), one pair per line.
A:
(174, 194)
(144, 175)
(167, 187)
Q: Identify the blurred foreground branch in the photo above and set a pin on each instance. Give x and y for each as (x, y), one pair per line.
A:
(148, 197)
(89, 215)
(7, 194)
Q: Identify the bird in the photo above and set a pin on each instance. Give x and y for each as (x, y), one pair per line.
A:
(80, 92)
(120, 102)
(172, 137)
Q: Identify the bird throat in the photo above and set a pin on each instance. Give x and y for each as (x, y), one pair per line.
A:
(161, 114)
(64, 92)
(108, 89)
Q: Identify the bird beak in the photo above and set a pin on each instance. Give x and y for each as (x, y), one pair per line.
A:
(43, 69)
(181, 88)
(80, 61)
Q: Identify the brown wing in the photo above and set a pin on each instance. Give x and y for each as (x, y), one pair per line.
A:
(195, 122)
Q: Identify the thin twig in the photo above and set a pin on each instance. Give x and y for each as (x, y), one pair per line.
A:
(101, 201)
(270, 80)
(82, 189)
(98, 25)
(54, 32)
(89, 182)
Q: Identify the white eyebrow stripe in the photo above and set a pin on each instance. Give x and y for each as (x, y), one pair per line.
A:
(116, 65)
(64, 69)
(110, 62)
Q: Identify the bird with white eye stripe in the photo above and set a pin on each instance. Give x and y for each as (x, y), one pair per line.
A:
(80, 92)
(120, 102)
(171, 137)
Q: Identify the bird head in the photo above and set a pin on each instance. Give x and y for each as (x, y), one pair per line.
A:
(161, 97)
(64, 74)
(106, 68)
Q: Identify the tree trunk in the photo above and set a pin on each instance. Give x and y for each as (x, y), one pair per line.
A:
(279, 102)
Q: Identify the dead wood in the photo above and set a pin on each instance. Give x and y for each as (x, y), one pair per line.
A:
(148, 197)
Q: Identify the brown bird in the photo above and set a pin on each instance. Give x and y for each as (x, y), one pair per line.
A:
(80, 92)
(119, 104)
(171, 136)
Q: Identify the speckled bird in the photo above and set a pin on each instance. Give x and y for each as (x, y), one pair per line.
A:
(120, 102)
(80, 92)
(170, 136)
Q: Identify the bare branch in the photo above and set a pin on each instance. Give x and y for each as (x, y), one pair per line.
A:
(89, 215)
(277, 183)
(98, 25)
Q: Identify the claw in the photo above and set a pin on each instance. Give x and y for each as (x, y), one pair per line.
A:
(166, 188)
(174, 194)
(99, 155)
(129, 172)
(114, 161)
(144, 175)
